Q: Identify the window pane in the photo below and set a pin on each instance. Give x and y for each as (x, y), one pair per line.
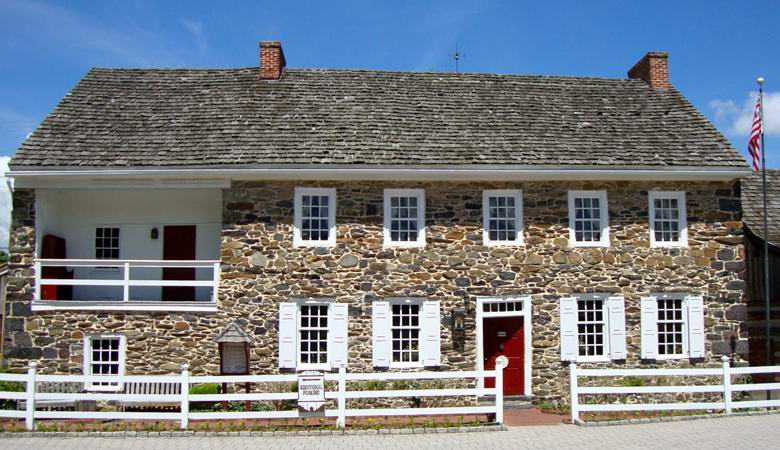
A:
(406, 332)
(587, 219)
(313, 334)
(591, 327)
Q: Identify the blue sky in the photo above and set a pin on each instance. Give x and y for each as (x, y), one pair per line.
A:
(717, 47)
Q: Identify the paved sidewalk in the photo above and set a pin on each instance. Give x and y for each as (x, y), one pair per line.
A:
(753, 432)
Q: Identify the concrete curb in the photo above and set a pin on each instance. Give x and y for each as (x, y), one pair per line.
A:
(608, 423)
(190, 433)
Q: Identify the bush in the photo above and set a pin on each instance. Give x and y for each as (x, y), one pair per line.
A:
(204, 389)
(10, 386)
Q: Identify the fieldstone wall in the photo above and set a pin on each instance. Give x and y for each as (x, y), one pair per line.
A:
(262, 268)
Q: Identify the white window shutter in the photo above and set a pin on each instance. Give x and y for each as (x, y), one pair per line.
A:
(381, 342)
(430, 324)
(695, 306)
(288, 327)
(616, 315)
(568, 310)
(338, 317)
(649, 315)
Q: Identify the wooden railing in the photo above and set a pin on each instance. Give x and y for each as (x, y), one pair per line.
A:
(125, 280)
(724, 388)
(181, 396)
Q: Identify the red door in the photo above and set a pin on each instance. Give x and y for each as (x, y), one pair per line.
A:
(504, 336)
(179, 244)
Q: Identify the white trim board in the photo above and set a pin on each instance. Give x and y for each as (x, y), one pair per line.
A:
(526, 314)
(220, 177)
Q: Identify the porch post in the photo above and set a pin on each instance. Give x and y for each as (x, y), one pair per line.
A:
(126, 283)
(216, 282)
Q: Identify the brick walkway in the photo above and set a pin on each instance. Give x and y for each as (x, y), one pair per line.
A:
(754, 432)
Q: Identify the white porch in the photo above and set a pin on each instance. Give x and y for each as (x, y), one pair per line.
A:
(152, 249)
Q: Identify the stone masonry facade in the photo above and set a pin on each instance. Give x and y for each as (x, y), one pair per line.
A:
(261, 268)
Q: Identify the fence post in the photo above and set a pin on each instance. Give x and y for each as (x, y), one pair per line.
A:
(574, 400)
(214, 293)
(185, 396)
(499, 393)
(726, 383)
(29, 417)
(341, 421)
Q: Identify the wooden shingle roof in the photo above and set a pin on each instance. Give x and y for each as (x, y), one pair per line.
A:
(230, 117)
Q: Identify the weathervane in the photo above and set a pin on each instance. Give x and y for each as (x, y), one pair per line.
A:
(457, 56)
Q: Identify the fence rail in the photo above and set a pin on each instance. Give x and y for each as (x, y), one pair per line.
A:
(125, 278)
(726, 387)
(34, 399)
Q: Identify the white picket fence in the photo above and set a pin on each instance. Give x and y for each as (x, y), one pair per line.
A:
(725, 387)
(184, 415)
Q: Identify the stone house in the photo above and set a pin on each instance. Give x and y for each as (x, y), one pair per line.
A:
(382, 220)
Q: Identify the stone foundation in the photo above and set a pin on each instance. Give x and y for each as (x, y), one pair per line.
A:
(262, 268)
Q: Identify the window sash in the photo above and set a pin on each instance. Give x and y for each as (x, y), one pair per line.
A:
(502, 217)
(405, 333)
(104, 355)
(315, 217)
(588, 219)
(667, 219)
(672, 327)
(313, 322)
(592, 329)
(404, 220)
(107, 242)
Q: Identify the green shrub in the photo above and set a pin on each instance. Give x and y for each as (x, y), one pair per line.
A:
(10, 386)
(632, 381)
(204, 389)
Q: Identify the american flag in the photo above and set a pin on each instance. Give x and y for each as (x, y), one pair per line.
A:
(754, 143)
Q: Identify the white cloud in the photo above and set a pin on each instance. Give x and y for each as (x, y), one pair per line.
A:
(195, 28)
(739, 118)
(5, 203)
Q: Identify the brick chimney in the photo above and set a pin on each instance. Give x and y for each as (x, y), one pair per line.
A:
(653, 69)
(271, 60)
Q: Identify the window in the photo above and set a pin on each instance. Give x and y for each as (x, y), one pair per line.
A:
(591, 329)
(588, 219)
(503, 220)
(667, 219)
(107, 243)
(313, 334)
(315, 217)
(671, 327)
(104, 355)
(404, 217)
(406, 333)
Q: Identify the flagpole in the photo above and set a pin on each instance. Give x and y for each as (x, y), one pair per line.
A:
(767, 309)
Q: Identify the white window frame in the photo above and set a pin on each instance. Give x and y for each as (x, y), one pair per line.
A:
(407, 301)
(606, 356)
(682, 217)
(517, 195)
(88, 360)
(105, 269)
(685, 329)
(298, 241)
(420, 195)
(312, 302)
(604, 218)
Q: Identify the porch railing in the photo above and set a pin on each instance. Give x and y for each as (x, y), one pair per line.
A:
(126, 280)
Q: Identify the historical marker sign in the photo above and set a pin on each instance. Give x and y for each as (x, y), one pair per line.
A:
(311, 391)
